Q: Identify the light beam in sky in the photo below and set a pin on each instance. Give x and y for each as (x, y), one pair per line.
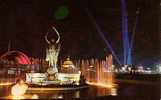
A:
(125, 34)
(102, 36)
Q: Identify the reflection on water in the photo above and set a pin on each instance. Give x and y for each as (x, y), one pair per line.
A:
(17, 97)
(113, 91)
(57, 96)
(35, 96)
(77, 94)
(99, 91)
(88, 92)
(123, 90)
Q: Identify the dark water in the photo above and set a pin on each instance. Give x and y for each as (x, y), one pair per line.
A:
(124, 91)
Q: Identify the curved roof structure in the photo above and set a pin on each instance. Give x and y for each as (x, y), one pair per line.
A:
(17, 57)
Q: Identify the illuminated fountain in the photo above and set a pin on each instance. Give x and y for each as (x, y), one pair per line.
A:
(100, 73)
(69, 74)
(96, 72)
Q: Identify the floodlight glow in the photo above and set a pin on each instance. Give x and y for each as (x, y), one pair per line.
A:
(19, 89)
(126, 45)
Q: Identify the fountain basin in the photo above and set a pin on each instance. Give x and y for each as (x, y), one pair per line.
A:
(63, 79)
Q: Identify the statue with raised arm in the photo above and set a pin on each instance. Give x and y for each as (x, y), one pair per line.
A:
(52, 52)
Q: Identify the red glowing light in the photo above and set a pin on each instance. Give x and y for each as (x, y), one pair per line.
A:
(16, 56)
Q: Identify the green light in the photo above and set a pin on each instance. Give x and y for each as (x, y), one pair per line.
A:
(61, 12)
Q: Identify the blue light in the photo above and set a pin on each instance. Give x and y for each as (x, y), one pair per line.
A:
(126, 45)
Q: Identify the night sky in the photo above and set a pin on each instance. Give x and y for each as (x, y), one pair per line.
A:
(25, 22)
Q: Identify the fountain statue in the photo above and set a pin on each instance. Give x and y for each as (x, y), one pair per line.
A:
(52, 53)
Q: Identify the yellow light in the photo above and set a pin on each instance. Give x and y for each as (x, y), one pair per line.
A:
(5, 83)
(19, 89)
(35, 96)
(100, 84)
(18, 97)
(113, 91)
(79, 72)
(60, 97)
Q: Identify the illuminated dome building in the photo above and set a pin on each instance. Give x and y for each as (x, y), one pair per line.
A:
(69, 74)
(68, 67)
(16, 57)
(14, 63)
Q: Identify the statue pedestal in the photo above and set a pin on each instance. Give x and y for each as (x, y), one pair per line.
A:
(52, 77)
(52, 73)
